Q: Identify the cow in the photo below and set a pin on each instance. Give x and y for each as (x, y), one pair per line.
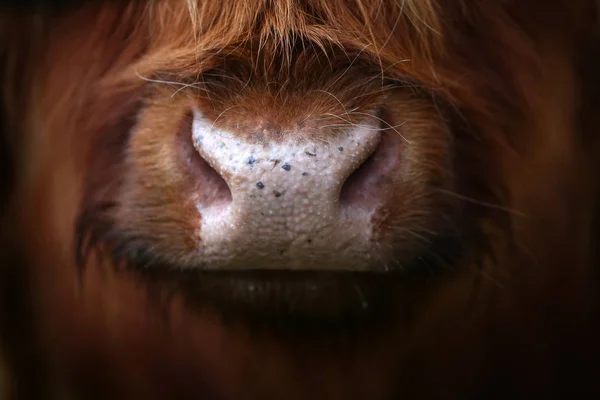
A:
(286, 199)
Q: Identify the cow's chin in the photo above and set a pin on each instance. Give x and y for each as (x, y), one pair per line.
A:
(305, 300)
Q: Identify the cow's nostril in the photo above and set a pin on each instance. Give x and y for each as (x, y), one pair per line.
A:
(364, 187)
(209, 187)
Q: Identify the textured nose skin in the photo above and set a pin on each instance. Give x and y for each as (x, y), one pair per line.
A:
(284, 195)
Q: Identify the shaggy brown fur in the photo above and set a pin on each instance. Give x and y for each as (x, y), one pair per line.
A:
(509, 85)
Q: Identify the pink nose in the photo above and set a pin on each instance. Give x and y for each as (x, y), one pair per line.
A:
(288, 202)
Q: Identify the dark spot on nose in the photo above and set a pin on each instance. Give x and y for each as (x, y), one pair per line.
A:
(305, 174)
(340, 148)
(276, 193)
(309, 241)
(260, 185)
(308, 153)
(286, 166)
(251, 160)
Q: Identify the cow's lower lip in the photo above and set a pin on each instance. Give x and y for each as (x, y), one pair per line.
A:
(285, 297)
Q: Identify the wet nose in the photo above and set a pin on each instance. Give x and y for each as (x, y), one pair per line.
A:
(281, 199)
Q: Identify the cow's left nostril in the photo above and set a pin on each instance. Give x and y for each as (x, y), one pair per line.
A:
(367, 184)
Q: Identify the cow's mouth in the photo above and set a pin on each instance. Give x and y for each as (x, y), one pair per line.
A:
(303, 299)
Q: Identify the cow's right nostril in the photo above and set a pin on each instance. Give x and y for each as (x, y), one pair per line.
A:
(209, 187)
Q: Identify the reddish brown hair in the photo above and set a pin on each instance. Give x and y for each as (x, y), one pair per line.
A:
(511, 80)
